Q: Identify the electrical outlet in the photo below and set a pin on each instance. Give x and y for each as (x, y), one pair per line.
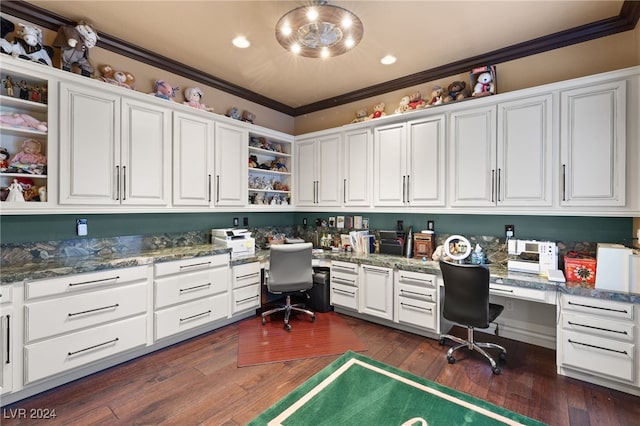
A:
(235, 221)
(82, 227)
(245, 221)
(431, 226)
(509, 231)
(304, 221)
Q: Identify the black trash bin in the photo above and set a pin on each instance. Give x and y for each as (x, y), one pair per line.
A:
(319, 294)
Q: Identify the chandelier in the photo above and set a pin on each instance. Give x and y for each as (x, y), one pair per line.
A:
(319, 30)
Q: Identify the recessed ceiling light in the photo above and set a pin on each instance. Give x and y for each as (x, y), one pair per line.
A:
(388, 60)
(241, 42)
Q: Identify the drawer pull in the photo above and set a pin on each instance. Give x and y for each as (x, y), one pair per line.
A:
(93, 310)
(402, 277)
(622, 311)
(242, 277)
(195, 316)
(344, 268)
(238, 302)
(93, 347)
(343, 281)
(413, 293)
(377, 271)
(408, 305)
(337, 290)
(598, 347)
(117, 277)
(8, 342)
(196, 265)
(597, 328)
(195, 287)
(501, 289)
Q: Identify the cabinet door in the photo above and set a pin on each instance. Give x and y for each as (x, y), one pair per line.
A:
(6, 345)
(231, 165)
(192, 160)
(524, 152)
(472, 161)
(376, 287)
(89, 146)
(356, 171)
(328, 169)
(593, 144)
(389, 168)
(146, 154)
(306, 175)
(426, 162)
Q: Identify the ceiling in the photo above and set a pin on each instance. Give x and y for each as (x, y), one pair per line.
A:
(423, 35)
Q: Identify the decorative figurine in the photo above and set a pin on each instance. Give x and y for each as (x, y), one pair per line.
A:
(9, 84)
(75, 43)
(15, 192)
(164, 90)
(24, 90)
(193, 96)
(4, 159)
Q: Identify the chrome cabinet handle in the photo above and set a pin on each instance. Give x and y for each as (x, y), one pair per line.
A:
(405, 278)
(217, 188)
(93, 310)
(124, 183)
(196, 265)
(195, 316)
(408, 186)
(377, 271)
(343, 281)
(404, 188)
(117, 277)
(253, 274)
(93, 347)
(498, 185)
(117, 182)
(195, 287)
(493, 188)
(238, 302)
(414, 293)
(337, 290)
(408, 305)
(344, 191)
(209, 185)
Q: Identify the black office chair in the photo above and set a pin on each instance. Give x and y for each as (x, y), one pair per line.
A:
(290, 272)
(466, 302)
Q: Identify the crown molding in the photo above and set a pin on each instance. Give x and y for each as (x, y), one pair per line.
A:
(626, 20)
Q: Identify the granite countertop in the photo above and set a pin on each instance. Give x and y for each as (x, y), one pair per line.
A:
(51, 268)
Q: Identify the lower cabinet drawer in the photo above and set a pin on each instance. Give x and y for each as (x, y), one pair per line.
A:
(185, 287)
(73, 350)
(609, 328)
(57, 316)
(246, 274)
(190, 315)
(344, 295)
(417, 312)
(245, 298)
(599, 356)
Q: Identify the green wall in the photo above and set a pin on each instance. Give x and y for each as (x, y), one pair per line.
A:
(25, 228)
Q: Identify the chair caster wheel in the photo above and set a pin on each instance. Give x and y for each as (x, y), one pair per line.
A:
(287, 327)
(496, 371)
(503, 356)
(313, 318)
(264, 320)
(451, 360)
(441, 341)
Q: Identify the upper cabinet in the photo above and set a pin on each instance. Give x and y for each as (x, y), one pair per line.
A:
(357, 168)
(318, 180)
(116, 150)
(593, 144)
(230, 165)
(270, 168)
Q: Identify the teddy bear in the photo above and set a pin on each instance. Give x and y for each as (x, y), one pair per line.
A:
(118, 78)
(416, 101)
(361, 115)
(378, 111)
(404, 105)
(484, 85)
(436, 96)
(279, 165)
(456, 91)
(248, 116)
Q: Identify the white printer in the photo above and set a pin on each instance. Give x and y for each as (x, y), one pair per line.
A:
(239, 241)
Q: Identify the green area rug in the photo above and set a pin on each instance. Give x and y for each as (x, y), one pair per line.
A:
(356, 390)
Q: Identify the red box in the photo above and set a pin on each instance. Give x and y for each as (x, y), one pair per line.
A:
(580, 267)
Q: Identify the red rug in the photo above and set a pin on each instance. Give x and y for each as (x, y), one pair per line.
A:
(263, 344)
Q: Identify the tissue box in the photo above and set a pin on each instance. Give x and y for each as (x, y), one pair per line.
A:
(580, 267)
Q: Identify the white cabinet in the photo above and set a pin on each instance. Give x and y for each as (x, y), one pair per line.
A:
(115, 150)
(318, 177)
(409, 165)
(598, 337)
(231, 165)
(193, 155)
(190, 293)
(7, 343)
(344, 285)
(501, 155)
(376, 291)
(593, 144)
(357, 168)
(246, 288)
(416, 300)
(270, 169)
(78, 319)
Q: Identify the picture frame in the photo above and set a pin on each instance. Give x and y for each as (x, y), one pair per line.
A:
(340, 222)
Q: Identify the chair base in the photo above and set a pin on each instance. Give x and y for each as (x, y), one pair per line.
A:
(288, 308)
(471, 344)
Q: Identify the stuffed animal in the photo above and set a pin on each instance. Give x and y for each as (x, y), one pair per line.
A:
(118, 78)
(404, 105)
(279, 165)
(75, 43)
(6, 29)
(484, 85)
(193, 96)
(234, 113)
(16, 119)
(248, 116)
(436, 96)
(28, 45)
(164, 90)
(253, 161)
(415, 101)
(456, 91)
(378, 111)
(361, 115)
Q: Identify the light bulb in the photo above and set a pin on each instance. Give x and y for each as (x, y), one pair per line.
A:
(324, 53)
(295, 48)
(312, 14)
(346, 22)
(349, 42)
(285, 30)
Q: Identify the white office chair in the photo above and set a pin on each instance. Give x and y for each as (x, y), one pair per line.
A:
(290, 272)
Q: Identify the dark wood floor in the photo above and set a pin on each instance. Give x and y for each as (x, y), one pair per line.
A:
(198, 382)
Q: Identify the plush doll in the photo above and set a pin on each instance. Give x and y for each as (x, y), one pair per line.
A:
(75, 43)
(28, 45)
(436, 96)
(234, 113)
(456, 91)
(416, 101)
(403, 106)
(7, 28)
(164, 90)
(29, 155)
(279, 165)
(361, 115)
(4, 159)
(378, 111)
(193, 95)
(484, 85)
(248, 116)
(16, 119)
(118, 78)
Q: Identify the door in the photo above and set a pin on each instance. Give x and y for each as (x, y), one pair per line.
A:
(306, 186)
(376, 287)
(328, 169)
(192, 160)
(231, 165)
(356, 172)
(389, 169)
(426, 162)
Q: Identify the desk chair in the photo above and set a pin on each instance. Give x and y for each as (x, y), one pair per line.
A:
(290, 272)
(466, 302)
